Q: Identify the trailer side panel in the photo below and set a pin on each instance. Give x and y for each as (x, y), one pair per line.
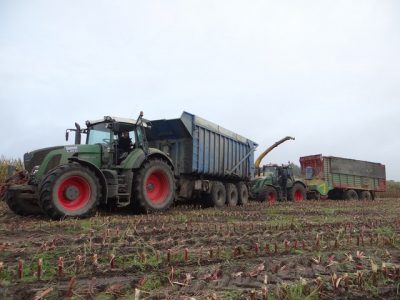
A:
(203, 149)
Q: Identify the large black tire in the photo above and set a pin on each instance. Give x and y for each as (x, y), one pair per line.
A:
(365, 196)
(218, 194)
(153, 187)
(270, 195)
(297, 193)
(70, 190)
(232, 197)
(243, 193)
(350, 195)
(22, 207)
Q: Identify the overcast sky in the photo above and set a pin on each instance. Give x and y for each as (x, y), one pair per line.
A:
(326, 72)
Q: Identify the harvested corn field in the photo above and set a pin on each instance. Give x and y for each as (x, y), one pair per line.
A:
(319, 250)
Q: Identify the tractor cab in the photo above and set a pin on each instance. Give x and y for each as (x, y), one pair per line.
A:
(117, 136)
(277, 174)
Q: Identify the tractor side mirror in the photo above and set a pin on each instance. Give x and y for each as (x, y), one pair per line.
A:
(66, 135)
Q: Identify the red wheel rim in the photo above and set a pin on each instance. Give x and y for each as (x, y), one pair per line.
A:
(298, 196)
(271, 197)
(157, 187)
(74, 193)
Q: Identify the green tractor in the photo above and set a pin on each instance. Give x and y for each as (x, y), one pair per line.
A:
(276, 183)
(74, 180)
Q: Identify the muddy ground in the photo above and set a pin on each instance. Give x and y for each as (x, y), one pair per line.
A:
(319, 250)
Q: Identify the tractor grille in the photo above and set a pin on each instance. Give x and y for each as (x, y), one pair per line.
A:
(36, 157)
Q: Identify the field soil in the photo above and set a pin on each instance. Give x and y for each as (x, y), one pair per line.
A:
(308, 250)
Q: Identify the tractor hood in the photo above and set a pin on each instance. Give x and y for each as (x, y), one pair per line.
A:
(35, 158)
(260, 182)
(41, 161)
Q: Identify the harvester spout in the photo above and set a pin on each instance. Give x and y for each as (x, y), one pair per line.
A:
(262, 155)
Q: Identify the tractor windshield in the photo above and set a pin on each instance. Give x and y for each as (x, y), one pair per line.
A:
(110, 133)
(99, 133)
(266, 170)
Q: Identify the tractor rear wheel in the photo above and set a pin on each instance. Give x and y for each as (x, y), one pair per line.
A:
(232, 197)
(350, 195)
(271, 195)
(70, 190)
(243, 193)
(153, 186)
(22, 207)
(297, 193)
(218, 194)
(365, 196)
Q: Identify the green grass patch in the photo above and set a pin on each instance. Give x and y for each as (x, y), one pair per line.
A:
(297, 291)
(153, 283)
(181, 218)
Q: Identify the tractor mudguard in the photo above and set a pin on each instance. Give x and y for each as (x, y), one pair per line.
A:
(136, 158)
(99, 174)
(300, 182)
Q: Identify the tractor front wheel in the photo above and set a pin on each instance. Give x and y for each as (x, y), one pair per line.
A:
(271, 195)
(70, 190)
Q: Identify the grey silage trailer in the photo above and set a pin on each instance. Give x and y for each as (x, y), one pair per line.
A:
(208, 159)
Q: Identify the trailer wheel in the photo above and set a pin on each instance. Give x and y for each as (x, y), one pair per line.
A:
(22, 207)
(70, 190)
(271, 195)
(350, 195)
(243, 193)
(365, 196)
(153, 186)
(297, 193)
(218, 194)
(232, 197)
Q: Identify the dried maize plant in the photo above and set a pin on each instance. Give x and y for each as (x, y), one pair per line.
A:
(39, 268)
(60, 266)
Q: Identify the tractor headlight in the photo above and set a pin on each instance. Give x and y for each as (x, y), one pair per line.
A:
(34, 170)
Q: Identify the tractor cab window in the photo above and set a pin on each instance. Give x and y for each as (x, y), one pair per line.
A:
(125, 139)
(268, 170)
(122, 134)
(98, 134)
(135, 134)
(140, 136)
